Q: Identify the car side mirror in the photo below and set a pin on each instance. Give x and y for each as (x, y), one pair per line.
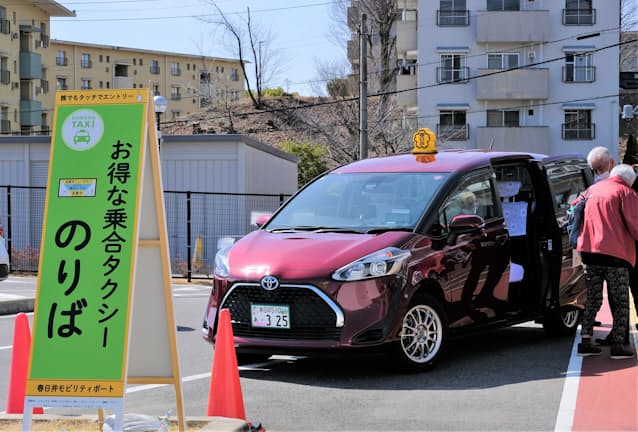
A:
(466, 222)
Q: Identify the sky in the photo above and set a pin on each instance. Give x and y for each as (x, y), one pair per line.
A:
(300, 31)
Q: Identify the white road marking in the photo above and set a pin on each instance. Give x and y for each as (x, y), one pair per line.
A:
(567, 407)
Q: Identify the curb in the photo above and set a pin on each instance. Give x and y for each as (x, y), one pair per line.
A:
(90, 422)
(9, 307)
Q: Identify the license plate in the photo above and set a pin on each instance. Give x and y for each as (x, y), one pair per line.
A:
(270, 316)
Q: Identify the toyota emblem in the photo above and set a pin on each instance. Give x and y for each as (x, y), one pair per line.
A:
(269, 283)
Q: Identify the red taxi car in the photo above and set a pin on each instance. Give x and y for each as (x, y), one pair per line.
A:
(404, 252)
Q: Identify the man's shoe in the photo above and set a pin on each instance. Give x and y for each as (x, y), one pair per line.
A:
(617, 352)
(598, 324)
(586, 350)
(604, 341)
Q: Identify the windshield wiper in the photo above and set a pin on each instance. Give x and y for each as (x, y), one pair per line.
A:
(319, 229)
(386, 229)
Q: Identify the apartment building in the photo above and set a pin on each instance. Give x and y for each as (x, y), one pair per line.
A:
(535, 75)
(33, 67)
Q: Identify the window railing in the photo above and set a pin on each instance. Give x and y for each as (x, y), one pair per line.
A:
(44, 41)
(61, 61)
(453, 132)
(86, 64)
(154, 69)
(5, 76)
(572, 132)
(452, 75)
(62, 86)
(176, 96)
(45, 86)
(579, 16)
(574, 74)
(452, 18)
(175, 71)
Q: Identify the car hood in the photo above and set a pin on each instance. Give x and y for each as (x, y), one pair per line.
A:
(296, 256)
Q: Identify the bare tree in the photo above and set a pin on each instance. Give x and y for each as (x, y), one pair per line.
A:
(252, 45)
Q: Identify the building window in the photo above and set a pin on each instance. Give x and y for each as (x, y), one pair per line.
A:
(175, 94)
(156, 91)
(108, 84)
(85, 61)
(101, 84)
(234, 74)
(578, 68)
(453, 13)
(503, 5)
(579, 12)
(175, 69)
(61, 83)
(141, 62)
(61, 59)
(86, 84)
(100, 58)
(155, 69)
(452, 69)
(452, 126)
(502, 61)
(108, 59)
(503, 118)
(578, 125)
(188, 66)
(134, 62)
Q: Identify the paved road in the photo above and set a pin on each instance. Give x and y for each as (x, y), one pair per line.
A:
(598, 393)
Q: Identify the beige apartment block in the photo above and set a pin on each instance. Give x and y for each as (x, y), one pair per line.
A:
(33, 67)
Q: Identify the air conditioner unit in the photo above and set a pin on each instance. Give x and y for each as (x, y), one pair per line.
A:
(531, 56)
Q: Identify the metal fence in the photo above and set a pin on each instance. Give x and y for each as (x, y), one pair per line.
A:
(197, 224)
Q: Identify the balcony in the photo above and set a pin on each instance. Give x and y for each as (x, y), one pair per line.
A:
(5, 76)
(30, 65)
(453, 132)
(579, 16)
(532, 83)
(30, 112)
(452, 18)
(406, 90)
(513, 26)
(406, 32)
(575, 132)
(579, 74)
(44, 85)
(523, 138)
(122, 82)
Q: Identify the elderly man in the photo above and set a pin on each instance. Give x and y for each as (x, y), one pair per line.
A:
(607, 247)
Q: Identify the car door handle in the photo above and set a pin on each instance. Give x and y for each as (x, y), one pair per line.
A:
(502, 239)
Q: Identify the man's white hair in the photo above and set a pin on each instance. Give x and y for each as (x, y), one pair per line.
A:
(625, 172)
(599, 154)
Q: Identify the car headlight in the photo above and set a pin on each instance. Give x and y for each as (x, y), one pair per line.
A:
(381, 263)
(222, 269)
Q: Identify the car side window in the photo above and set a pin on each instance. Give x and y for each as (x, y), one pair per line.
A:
(474, 195)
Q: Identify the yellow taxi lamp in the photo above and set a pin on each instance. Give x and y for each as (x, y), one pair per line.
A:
(424, 145)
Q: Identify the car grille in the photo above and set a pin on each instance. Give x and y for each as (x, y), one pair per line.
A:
(310, 316)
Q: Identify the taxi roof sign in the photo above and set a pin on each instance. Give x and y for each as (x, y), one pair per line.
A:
(424, 142)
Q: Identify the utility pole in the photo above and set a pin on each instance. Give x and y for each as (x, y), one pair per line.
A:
(363, 90)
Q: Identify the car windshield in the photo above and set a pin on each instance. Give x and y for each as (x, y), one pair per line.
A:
(359, 202)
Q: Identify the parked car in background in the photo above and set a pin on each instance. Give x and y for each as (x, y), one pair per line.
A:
(4, 258)
(402, 253)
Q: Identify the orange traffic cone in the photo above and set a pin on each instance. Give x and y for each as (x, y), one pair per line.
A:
(224, 396)
(19, 366)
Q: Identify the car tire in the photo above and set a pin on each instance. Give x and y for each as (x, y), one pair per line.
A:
(562, 321)
(424, 334)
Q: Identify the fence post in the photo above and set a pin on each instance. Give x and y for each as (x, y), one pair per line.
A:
(8, 231)
(189, 265)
